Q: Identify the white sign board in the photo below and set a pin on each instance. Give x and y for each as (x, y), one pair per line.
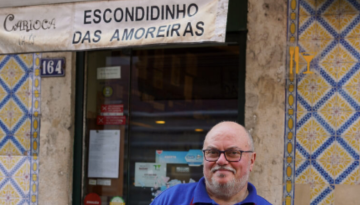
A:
(106, 24)
(149, 174)
(104, 151)
(109, 73)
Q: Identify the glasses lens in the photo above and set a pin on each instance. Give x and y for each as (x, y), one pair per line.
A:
(212, 154)
(233, 155)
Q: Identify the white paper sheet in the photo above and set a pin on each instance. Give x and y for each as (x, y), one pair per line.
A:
(149, 174)
(104, 151)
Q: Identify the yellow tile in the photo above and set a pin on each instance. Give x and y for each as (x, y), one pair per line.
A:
(330, 68)
(354, 92)
(24, 140)
(9, 191)
(346, 7)
(24, 128)
(343, 69)
(310, 32)
(355, 32)
(304, 12)
(345, 56)
(321, 82)
(353, 130)
(317, 143)
(347, 194)
(5, 109)
(303, 19)
(344, 105)
(342, 117)
(331, 56)
(25, 99)
(308, 45)
(353, 178)
(27, 59)
(333, 21)
(322, 44)
(346, 20)
(318, 129)
(316, 177)
(318, 92)
(11, 67)
(331, 9)
(331, 105)
(322, 33)
(302, 194)
(306, 94)
(317, 189)
(354, 41)
(305, 141)
(6, 120)
(26, 86)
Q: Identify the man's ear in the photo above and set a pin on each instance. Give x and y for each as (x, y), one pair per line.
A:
(252, 160)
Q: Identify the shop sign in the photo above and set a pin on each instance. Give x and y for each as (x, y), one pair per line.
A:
(112, 109)
(111, 120)
(111, 24)
(192, 157)
(52, 67)
(92, 199)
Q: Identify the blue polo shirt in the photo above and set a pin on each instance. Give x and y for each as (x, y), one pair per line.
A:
(195, 193)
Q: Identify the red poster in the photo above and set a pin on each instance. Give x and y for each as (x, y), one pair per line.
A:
(114, 108)
(92, 199)
(111, 120)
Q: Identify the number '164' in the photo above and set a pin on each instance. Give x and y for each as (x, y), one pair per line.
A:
(49, 67)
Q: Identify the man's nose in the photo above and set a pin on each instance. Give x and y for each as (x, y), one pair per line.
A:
(222, 160)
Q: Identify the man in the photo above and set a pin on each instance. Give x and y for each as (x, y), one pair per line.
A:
(228, 160)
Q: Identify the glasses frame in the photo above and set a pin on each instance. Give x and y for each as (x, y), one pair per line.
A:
(223, 152)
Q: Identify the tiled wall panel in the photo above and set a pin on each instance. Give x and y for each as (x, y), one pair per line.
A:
(19, 128)
(327, 128)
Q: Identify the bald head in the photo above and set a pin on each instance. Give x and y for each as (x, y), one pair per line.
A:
(232, 129)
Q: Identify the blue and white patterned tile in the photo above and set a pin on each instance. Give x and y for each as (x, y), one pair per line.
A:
(351, 176)
(322, 147)
(322, 194)
(348, 52)
(349, 25)
(344, 105)
(303, 172)
(321, 95)
(349, 6)
(322, 171)
(307, 7)
(308, 28)
(327, 7)
(352, 96)
(348, 148)
(330, 53)
(347, 73)
(23, 102)
(347, 123)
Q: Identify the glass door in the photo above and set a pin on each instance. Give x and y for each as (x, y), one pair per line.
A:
(147, 114)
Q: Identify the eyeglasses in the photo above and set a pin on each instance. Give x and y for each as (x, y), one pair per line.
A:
(231, 155)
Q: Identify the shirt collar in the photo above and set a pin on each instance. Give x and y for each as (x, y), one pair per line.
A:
(201, 195)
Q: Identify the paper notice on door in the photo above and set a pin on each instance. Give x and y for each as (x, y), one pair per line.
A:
(104, 150)
(109, 73)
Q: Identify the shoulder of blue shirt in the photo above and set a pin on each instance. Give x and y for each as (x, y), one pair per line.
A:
(185, 192)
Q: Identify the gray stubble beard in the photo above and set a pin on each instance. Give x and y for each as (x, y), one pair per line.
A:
(229, 189)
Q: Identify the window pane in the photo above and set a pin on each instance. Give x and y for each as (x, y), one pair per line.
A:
(177, 95)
